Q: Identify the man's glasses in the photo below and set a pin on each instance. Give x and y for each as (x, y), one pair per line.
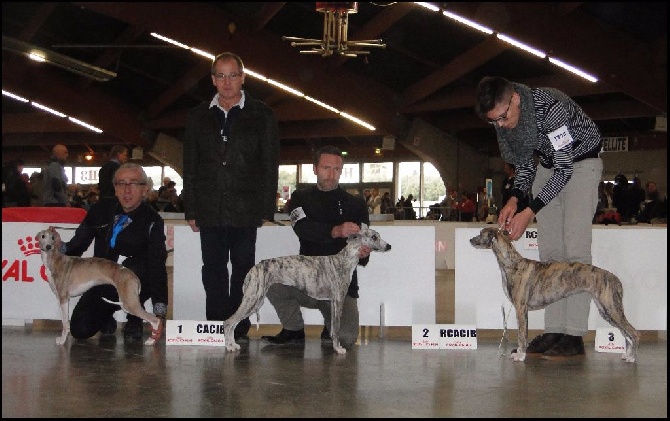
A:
(131, 184)
(503, 116)
(231, 77)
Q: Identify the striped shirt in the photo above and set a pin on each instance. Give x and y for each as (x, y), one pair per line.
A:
(554, 113)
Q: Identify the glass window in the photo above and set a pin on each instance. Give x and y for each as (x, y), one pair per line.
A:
(378, 172)
(155, 175)
(86, 175)
(350, 174)
(409, 182)
(288, 179)
(433, 186)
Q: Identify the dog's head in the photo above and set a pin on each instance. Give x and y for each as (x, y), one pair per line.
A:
(485, 238)
(48, 239)
(369, 238)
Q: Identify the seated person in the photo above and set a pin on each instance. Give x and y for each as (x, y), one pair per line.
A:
(134, 231)
(654, 209)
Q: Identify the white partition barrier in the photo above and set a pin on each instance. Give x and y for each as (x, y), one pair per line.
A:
(638, 256)
(403, 279)
(26, 294)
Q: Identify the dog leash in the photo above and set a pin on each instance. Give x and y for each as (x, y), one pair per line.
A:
(502, 351)
(70, 228)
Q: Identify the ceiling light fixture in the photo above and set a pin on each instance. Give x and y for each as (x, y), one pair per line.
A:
(335, 28)
(60, 60)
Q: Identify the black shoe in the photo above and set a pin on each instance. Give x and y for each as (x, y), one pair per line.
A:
(241, 332)
(568, 346)
(133, 328)
(542, 343)
(286, 337)
(325, 335)
(109, 327)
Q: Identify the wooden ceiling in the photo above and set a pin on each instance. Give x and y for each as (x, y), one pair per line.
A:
(428, 69)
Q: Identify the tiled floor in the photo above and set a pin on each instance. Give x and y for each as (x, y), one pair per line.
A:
(377, 378)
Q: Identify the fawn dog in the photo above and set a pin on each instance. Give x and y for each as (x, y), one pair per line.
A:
(71, 276)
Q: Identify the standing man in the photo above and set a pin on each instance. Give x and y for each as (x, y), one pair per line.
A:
(322, 216)
(117, 157)
(131, 229)
(231, 172)
(548, 123)
(55, 180)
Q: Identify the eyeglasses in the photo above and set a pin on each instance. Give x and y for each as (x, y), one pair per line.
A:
(503, 116)
(132, 184)
(232, 77)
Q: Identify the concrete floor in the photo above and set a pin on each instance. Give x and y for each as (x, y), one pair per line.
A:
(377, 378)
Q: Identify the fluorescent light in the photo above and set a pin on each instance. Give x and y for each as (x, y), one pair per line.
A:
(573, 69)
(272, 82)
(88, 126)
(14, 96)
(47, 109)
(522, 46)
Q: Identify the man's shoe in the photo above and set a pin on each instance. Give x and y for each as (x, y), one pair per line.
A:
(325, 336)
(109, 327)
(133, 328)
(286, 337)
(568, 346)
(542, 343)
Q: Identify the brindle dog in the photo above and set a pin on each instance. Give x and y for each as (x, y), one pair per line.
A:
(320, 277)
(532, 285)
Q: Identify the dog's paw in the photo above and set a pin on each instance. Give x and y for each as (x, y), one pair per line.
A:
(61, 340)
(519, 356)
(628, 358)
(339, 349)
(233, 347)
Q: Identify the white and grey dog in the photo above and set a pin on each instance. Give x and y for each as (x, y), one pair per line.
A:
(532, 285)
(70, 276)
(320, 277)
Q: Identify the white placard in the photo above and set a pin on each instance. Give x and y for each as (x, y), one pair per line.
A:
(443, 336)
(193, 332)
(610, 340)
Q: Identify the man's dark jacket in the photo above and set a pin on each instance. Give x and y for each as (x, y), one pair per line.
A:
(236, 184)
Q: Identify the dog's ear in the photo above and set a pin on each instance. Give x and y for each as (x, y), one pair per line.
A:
(364, 226)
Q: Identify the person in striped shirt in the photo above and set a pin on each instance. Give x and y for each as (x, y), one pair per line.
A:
(555, 147)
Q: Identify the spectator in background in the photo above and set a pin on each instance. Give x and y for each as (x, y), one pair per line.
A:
(637, 197)
(55, 180)
(375, 203)
(466, 207)
(387, 205)
(622, 197)
(117, 157)
(655, 209)
(91, 199)
(36, 189)
(508, 184)
(408, 207)
(15, 190)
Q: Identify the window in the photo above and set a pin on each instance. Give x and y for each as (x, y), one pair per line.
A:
(378, 172)
(350, 173)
